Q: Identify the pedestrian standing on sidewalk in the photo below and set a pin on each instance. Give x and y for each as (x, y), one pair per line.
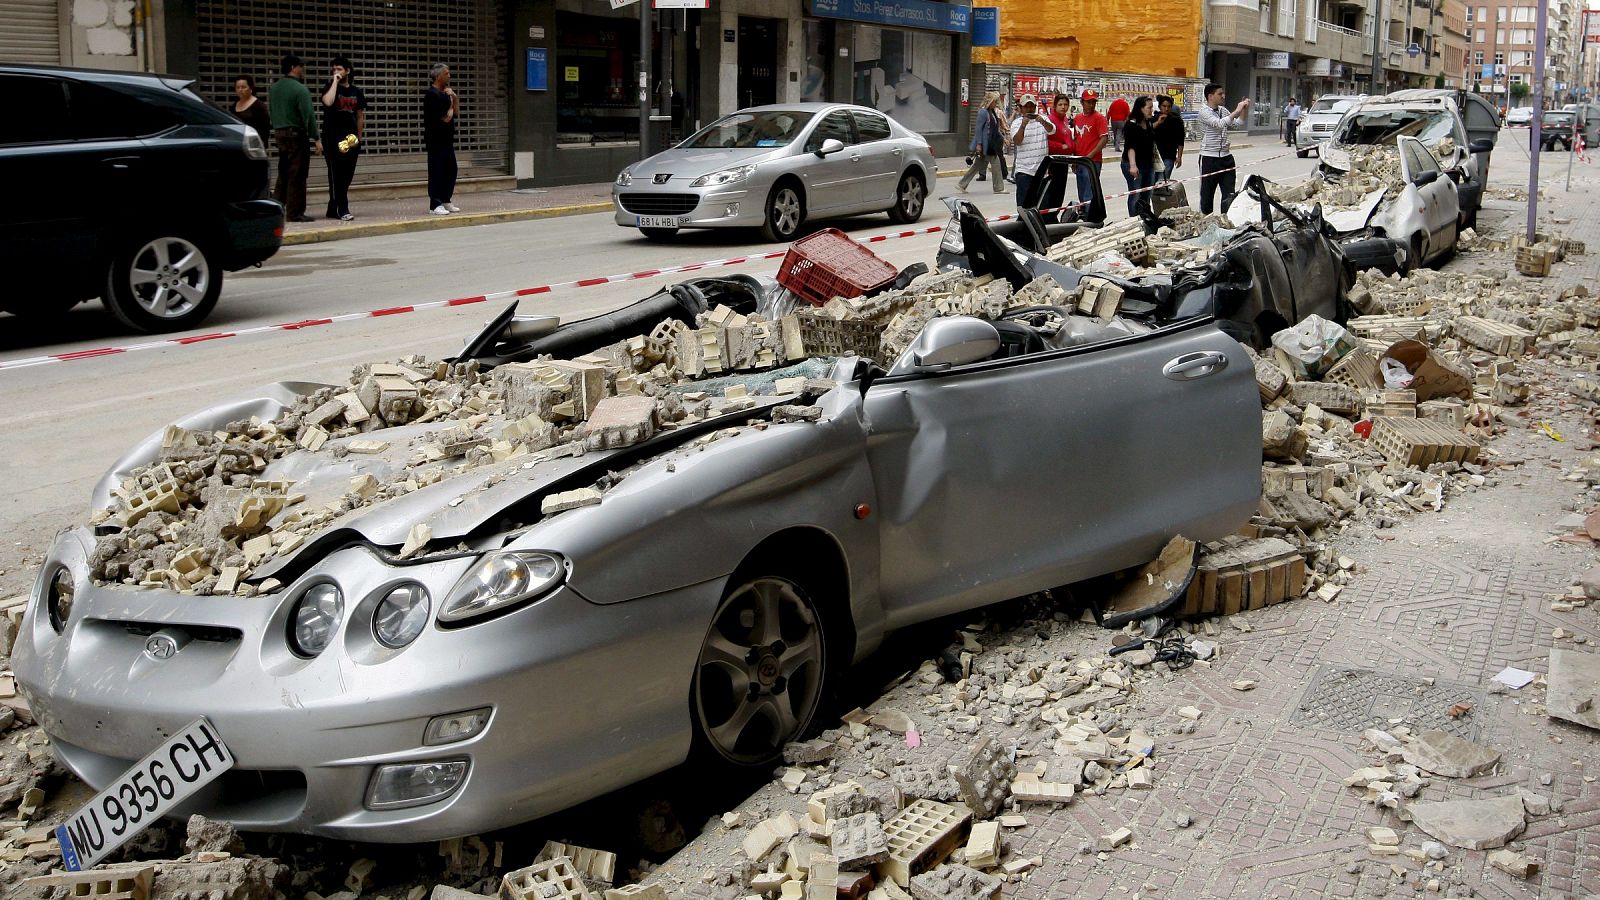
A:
(1061, 118)
(1089, 135)
(988, 144)
(1169, 135)
(249, 109)
(1118, 114)
(1291, 121)
(1032, 136)
(440, 109)
(294, 129)
(1138, 154)
(1216, 154)
(344, 116)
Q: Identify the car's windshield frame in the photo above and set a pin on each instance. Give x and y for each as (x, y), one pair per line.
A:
(748, 136)
(1426, 125)
(1333, 106)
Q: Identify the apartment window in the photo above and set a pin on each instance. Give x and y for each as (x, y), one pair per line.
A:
(1483, 14)
(1517, 77)
(1477, 60)
(1522, 14)
(1499, 35)
(1500, 14)
(1480, 35)
(1522, 35)
(1469, 13)
(1499, 58)
(1522, 58)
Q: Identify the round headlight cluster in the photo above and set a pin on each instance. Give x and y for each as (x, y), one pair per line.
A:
(401, 615)
(501, 581)
(315, 619)
(59, 593)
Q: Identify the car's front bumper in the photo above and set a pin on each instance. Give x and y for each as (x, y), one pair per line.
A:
(254, 230)
(738, 205)
(585, 698)
(1305, 138)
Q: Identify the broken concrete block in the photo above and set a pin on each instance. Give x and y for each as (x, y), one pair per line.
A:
(837, 802)
(1331, 396)
(921, 836)
(768, 834)
(1140, 779)
(359, 878)
(569, 500)
(355, 412)
(784, 414)
(1513, 863)
(858, 841)
(983, 845)
(1112, 841)
(810, 752)
(524, 390)
(1574, 678)
(594, 865)
(122, 882)
(389, 397)
(312, 438)
(1445, 754)
(955, 883)
(823, 881)
(621, 422)
(765, 883)
(554, 879)
(417, 538)
(984, 776)
(1471, 824)
(362, 445)
(1029, 789)
(1383, 837)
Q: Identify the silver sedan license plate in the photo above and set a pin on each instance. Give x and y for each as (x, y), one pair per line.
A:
(662, 221)
(193, 758)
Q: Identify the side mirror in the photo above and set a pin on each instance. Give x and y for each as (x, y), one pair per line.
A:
(1426, 178)
(830, 146)
(1482, 145)
(948, 342)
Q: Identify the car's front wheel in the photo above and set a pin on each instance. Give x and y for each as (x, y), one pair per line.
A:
(167, 282)
(658, 234)
(786, 211)
(909, 199)
(759, 679)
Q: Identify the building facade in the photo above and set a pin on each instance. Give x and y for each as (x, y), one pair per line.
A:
(1271, 50)
(1504, 38)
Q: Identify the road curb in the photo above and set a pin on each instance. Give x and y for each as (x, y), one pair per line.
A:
(432, 223)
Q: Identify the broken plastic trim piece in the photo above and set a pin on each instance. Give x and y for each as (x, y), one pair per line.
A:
(1154, 588)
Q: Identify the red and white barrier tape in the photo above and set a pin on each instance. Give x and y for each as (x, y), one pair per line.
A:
(518, 293)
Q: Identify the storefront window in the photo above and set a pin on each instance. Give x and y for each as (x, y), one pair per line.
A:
(597, 64)
(819, 62)
(905, 74)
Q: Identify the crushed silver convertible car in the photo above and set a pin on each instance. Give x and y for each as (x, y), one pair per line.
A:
(479, 651)
(777, 167)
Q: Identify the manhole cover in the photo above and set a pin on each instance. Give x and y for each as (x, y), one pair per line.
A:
(1352, 700)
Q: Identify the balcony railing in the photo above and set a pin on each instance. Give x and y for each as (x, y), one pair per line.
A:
(1337, 29)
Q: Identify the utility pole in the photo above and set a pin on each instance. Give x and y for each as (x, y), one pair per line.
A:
(1542, 15)
(1379, 26)
(644, 77)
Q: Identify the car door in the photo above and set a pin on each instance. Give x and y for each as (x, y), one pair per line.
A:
(1440, 205)
(882, 158)
(1010, 476)
(831, 181)
(49, 228)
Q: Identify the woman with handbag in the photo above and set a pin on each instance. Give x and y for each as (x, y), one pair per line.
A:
(988, 142)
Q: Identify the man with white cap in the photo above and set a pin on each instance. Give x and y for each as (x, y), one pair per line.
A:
(1031, 137)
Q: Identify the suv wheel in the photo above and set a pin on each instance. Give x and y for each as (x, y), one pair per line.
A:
(162, 283)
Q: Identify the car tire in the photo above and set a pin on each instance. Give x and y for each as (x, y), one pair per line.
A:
(762, 672)
(658, 234)
(910, 199)
(785, 213)
(162, 282)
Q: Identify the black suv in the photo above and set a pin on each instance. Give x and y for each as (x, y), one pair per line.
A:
(128, 187)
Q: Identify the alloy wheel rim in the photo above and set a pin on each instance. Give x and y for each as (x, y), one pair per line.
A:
(169, 277)
(786, 207)
(911, 198)
(759, 677)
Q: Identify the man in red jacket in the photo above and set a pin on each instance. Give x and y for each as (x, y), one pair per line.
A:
(1118, 112)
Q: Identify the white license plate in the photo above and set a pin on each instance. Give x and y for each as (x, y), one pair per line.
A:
(193, 758)
(662, 221)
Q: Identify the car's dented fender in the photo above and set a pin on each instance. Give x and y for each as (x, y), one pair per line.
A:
(695, 514)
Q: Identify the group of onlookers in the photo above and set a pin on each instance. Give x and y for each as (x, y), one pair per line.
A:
(287, 120)
(1148, 137)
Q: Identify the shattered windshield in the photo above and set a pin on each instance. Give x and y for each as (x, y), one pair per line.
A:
(1384, 126)
(1331, 105)
(774, 128)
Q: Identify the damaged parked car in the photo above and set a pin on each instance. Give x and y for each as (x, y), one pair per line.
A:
(434, 629)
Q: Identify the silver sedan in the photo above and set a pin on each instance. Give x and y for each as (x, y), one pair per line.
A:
(776, 167)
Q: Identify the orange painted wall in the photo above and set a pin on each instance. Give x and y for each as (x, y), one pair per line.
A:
(1110, 35)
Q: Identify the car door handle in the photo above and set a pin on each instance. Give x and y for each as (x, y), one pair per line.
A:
(1195, 365)
(855, 159)
(121, 163)
(896, 151)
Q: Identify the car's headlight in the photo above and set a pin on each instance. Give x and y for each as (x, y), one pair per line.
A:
(726, 176)
(254, 147)
(624, 178)
(500, 581)
(59, 591)
(316, 617)
(401, 615)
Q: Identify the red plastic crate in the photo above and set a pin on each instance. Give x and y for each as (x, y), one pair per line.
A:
(829, 264)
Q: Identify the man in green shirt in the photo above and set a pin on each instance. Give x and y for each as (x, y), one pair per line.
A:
(294, 130)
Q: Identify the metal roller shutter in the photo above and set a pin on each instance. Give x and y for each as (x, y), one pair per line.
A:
(31, 33)
(392, 44)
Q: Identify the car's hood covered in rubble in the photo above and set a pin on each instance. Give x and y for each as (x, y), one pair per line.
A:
(459, 504)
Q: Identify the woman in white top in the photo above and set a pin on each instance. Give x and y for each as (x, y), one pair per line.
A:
(1031, 136)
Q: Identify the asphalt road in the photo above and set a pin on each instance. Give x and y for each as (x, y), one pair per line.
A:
(65, 423)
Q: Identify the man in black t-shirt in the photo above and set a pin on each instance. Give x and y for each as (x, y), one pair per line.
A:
(1169, 136)
(344, 120)
(440, 107)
